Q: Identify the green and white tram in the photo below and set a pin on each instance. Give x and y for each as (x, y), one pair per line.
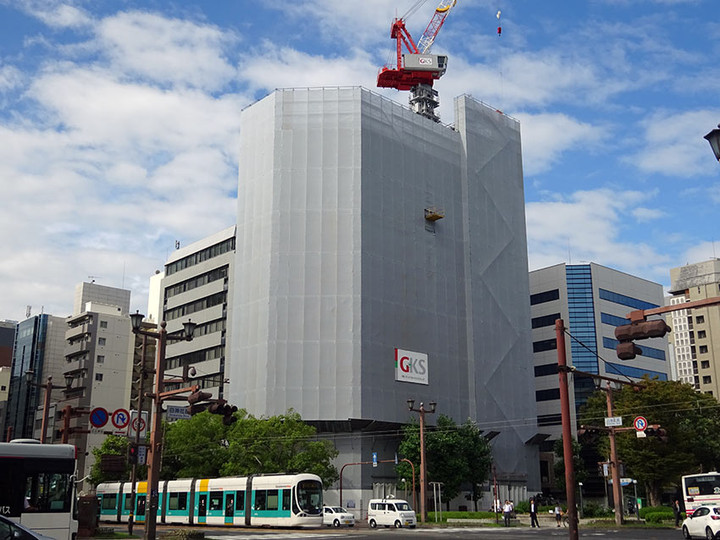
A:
(276, 500)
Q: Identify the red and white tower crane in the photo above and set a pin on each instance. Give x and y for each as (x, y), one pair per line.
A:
(417, 69)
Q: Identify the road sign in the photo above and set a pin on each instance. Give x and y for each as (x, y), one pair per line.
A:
(98, 417)
(137, 424)
(175, 412)
(640, 423)
(142, 455)
(375, 462)
(613, 421)
(120, 419)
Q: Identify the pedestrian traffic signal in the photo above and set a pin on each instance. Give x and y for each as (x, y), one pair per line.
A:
(627, 333)
(655, 430)
(132, 453)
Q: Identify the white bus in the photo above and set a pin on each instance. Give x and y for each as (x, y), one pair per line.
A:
(37, 486)
(700, 489)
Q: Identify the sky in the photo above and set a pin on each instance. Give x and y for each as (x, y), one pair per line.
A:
(119, 123)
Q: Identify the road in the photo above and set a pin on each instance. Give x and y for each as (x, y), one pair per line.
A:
(513, 533)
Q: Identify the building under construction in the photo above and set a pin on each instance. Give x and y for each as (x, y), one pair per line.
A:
(367, 233)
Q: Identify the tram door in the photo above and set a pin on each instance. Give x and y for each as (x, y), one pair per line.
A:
(202, 508)
(140, 514)
(229, 507)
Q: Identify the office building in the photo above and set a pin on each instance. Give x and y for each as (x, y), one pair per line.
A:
(382, 256)
(696, 332)
(37, 355)
(195, 286)
(592, 300)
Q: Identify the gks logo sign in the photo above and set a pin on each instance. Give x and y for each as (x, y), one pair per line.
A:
(411, 367)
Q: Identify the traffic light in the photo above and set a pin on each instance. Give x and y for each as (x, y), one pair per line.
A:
(198, 396)
(132, 453)
(655, 430)
(627, 333)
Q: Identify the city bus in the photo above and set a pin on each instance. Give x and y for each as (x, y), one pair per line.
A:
(37, 486)
(700, 489)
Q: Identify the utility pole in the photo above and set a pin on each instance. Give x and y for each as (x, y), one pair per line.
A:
(614, 463)
(133, 476)
(566, 430)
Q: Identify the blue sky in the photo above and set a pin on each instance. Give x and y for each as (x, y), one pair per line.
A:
(119, 123)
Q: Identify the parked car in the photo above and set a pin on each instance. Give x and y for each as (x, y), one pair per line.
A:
(337, 516)
(390, 513)
(14, 531)
(704, 522)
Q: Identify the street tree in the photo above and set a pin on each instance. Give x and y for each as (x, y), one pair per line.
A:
(195, 447)
(559, 466)
(690, 420)
(113, 445)
(455, 455)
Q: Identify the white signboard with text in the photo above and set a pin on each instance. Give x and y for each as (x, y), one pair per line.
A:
(411, 367)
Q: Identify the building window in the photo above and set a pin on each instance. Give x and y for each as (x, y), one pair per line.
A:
(98, 376)
(103, 324)
(547, 296)
(546, 369)
(546, 320)
(703, 349)
(624, 300)
(705, 364)
(101, 341)
(545, 345)
(547, 395)
(700, 319)
(707, 379)
(702, 334)
(3, 388)
(100, 359)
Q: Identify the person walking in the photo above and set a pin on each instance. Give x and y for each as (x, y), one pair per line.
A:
(558, 514)
(507, 513)
(677, 512)
(533, 514)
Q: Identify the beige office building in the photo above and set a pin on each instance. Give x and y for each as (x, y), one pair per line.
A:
(696, 332)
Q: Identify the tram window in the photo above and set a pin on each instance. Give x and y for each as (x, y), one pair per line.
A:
(272, 499)
(178, 501)
(216, 500)
(109, 502)
(260, 500)
(286, 499)
(128, 501)
(240, 500)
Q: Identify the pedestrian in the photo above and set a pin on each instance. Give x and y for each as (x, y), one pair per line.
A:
(558, 514)
(533, 514)
(677, 512)
(507, 513)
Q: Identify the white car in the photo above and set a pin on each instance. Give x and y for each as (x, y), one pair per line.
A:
(704, 522)
(337, 516)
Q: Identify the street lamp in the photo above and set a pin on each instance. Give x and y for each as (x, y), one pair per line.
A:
(714, 139)
(49, 387)
(421, 410)
(162, 337)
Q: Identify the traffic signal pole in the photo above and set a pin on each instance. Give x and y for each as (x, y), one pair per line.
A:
(566, 430)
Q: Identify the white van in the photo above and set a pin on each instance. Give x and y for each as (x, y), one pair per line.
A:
(390, 512)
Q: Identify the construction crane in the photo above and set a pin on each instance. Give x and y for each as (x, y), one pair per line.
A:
(417, 69)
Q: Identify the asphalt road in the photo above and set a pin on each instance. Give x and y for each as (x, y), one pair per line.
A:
(512, 533)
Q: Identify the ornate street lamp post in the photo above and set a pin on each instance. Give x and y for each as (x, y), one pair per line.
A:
(49, 387)
(155, 448)
(422, 411)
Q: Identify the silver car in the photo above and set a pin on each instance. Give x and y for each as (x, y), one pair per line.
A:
(14, 531)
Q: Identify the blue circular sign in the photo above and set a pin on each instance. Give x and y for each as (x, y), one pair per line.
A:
(98, 417)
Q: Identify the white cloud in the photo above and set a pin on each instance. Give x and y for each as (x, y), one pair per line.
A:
(674, 144)
(588, 226)
(546, 136)
(643, 215)
(167, 50)
(56, 13)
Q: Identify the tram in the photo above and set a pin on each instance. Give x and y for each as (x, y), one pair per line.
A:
(274, 500)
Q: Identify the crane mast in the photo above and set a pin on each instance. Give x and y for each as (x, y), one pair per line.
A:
(417, 69)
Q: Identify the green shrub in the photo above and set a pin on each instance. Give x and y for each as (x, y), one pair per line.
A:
(659, 517)
(594, 510)
(466, 515)
(652, 509)
(523, 507)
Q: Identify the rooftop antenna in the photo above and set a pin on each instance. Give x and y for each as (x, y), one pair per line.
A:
(93, 278)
